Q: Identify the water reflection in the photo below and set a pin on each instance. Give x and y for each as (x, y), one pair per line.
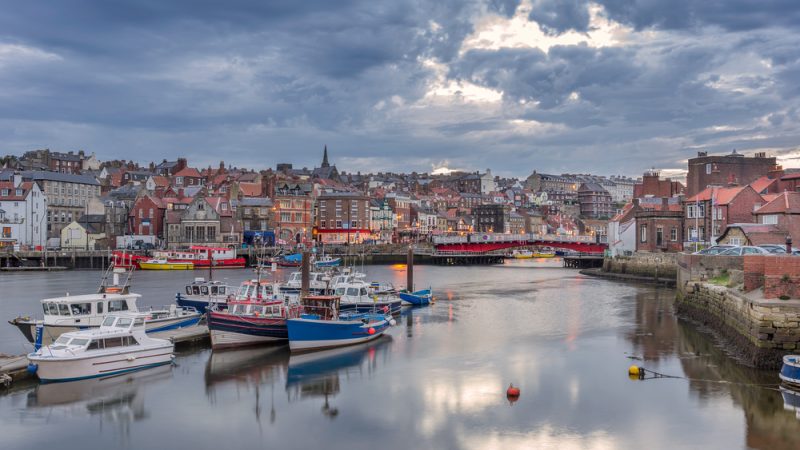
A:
(713, 374)
(119, 399)
(318, 374)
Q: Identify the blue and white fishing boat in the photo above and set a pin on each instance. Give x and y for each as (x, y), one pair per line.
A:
(200, 294)
(417, 298)
(328, 261)
(321, 325)
(790, 372)
(317, 283)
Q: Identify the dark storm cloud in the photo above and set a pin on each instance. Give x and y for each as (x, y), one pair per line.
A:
(267, 81)
(558, 16)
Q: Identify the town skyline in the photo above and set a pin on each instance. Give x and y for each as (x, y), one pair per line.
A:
(403, 86)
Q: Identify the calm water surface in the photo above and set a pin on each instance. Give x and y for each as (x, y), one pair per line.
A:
(436, 381)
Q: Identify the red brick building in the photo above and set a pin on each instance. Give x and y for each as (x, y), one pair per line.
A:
(343, 217)
(293, 212)
(784, 213)
(720, 170)
(730, 205)
(652, 185)
(659, 224)
(147, 216)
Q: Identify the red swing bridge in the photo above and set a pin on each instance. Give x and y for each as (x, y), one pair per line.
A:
(492, 248)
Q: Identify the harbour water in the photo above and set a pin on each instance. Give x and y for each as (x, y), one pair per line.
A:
(437, 380)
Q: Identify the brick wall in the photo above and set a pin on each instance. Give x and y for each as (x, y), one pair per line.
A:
(778, 275)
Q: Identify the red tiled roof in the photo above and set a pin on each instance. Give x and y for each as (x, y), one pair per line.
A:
(761, 184)
(770, 197)
(160, 181)
(786, 203)
(216, 203)
(250, 189)
(722, 195)
(26, 186)
(791, 176)
(188, 172)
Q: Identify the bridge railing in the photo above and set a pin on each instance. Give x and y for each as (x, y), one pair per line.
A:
(496, 237)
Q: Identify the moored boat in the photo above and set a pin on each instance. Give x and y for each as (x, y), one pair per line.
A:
(790, 371)
(522, 254)
(321, 325)
(80, 312)
(417, 298)
(256, 315)
(120, 345)
(328, 261)
(200, 294)
(359, 296)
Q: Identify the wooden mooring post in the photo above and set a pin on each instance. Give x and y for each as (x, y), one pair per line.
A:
(410, 269)
(305, 274)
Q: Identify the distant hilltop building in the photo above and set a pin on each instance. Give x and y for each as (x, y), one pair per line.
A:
(723, 170)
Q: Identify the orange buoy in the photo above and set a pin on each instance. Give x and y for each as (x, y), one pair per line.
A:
(512, 392)
(371, 330)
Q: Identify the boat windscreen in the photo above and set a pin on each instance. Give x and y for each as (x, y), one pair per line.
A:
(123, 322)
(63, 309)
(108, 321)
(62, 340)
(79, 341)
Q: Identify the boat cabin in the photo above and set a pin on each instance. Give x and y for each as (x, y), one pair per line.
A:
(353, 291)
(201, 287)
(86, 310)
(115, 331)
(256, 290)
(320, 307)
(266, 310)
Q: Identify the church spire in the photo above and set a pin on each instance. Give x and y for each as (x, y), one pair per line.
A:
(325, 158)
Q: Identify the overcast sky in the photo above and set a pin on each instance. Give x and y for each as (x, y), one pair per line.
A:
(614, 86)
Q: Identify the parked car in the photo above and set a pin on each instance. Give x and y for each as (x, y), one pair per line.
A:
(714, 250)
(745, 250)
(774, 248)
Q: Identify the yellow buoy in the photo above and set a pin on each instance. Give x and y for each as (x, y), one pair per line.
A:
(633, 371)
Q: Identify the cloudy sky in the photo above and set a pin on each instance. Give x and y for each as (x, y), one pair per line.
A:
(612, 86)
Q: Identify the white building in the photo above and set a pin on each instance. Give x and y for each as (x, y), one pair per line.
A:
(487, 182)
(24, 213)
(622, 232)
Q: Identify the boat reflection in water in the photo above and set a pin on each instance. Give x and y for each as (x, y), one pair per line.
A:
(317, 374)
(120, 398)
(791, 400)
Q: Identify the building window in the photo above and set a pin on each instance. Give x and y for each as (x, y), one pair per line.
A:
(151, 213)
(735, 241)
(211, 233)
(673, 234)
(339, 224)
(769, 219)
(322, 224)
(643, 233)
(690, 211)
(708, 169)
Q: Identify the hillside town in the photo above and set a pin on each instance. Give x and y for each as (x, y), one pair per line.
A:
(73, 200)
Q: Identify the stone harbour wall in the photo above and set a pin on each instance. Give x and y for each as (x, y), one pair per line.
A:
(653, 265)
(758, 331)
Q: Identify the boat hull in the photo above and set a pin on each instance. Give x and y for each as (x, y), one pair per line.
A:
(312, 334)
(419, 298)
(365, 307)
(790, 371)
(329, 263)
(52, 332)
(229, 331)
(60, 369)
(201, 305)
(166, 266)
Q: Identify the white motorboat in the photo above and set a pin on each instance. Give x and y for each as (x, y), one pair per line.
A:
(120, 345)
(80, 312)
(358, 295)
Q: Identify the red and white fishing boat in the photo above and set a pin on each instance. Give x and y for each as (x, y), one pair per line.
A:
(200, 256)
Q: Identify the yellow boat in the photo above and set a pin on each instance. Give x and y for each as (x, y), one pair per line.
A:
(163, 264)
(544, 254)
